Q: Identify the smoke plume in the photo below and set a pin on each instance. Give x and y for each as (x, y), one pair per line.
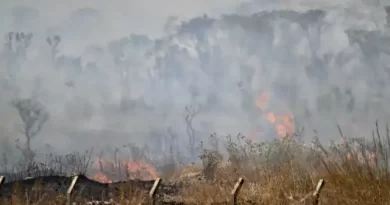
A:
(117, 73)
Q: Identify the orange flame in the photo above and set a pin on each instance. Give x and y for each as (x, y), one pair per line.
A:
(284, 124)
(100, 177)
(134, 169)
(263, 99)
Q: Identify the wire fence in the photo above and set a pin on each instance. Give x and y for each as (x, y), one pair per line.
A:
(314, 195)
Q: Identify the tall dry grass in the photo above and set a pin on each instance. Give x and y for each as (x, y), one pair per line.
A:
(284, 172)
(278, 172)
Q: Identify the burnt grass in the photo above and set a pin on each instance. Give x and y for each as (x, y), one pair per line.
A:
(84, 189)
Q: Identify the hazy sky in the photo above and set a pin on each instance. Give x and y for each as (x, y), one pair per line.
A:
(141, 16)
(122, 17)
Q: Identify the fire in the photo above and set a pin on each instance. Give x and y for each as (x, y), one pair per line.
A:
(263, 99)
(284, 124)
(140, 167)
(110, 171)
(100, 177)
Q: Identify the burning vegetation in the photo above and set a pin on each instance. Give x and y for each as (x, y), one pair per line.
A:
(110, 171)
(283, 123)
(200, 168)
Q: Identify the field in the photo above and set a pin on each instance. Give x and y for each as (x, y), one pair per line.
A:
(276, 172)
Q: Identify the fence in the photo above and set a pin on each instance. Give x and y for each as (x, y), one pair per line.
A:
(315, 195)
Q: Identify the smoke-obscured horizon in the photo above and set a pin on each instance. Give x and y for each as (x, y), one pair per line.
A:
(320, 65)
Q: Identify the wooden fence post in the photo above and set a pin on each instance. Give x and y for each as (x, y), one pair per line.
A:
(236, 190)
(153, 190)
(70, 189)
(316, 193)
(2, 179)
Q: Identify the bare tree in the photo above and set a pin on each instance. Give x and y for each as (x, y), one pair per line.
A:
(387, 10)
(191, 114)
(17, 43)
(15, 52)
(53, 43)
(34, 115)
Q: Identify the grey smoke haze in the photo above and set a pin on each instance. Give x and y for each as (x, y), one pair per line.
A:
(123, 16)
(325, 66)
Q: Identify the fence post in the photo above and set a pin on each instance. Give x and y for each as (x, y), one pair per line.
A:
(316, 193)
(2, 179)
(70, 189)
(236, 190)
(153, 190)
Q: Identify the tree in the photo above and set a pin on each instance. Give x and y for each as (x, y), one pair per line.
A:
(387, 10)
(53, 42)
(191, 113)
(15, 50)
(34, 116)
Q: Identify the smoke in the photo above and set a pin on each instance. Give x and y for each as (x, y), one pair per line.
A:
(121, 16)
(107, 84)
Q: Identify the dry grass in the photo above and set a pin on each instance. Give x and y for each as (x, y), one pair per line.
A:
(277, 172)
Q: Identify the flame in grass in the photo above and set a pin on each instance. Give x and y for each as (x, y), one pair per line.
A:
(284, 124)
(123, 170)
(100, 177)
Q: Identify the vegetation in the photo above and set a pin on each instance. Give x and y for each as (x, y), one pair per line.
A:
(281, 171)
(275, 172)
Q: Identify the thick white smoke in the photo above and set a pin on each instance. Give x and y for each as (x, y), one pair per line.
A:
(325, 65)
